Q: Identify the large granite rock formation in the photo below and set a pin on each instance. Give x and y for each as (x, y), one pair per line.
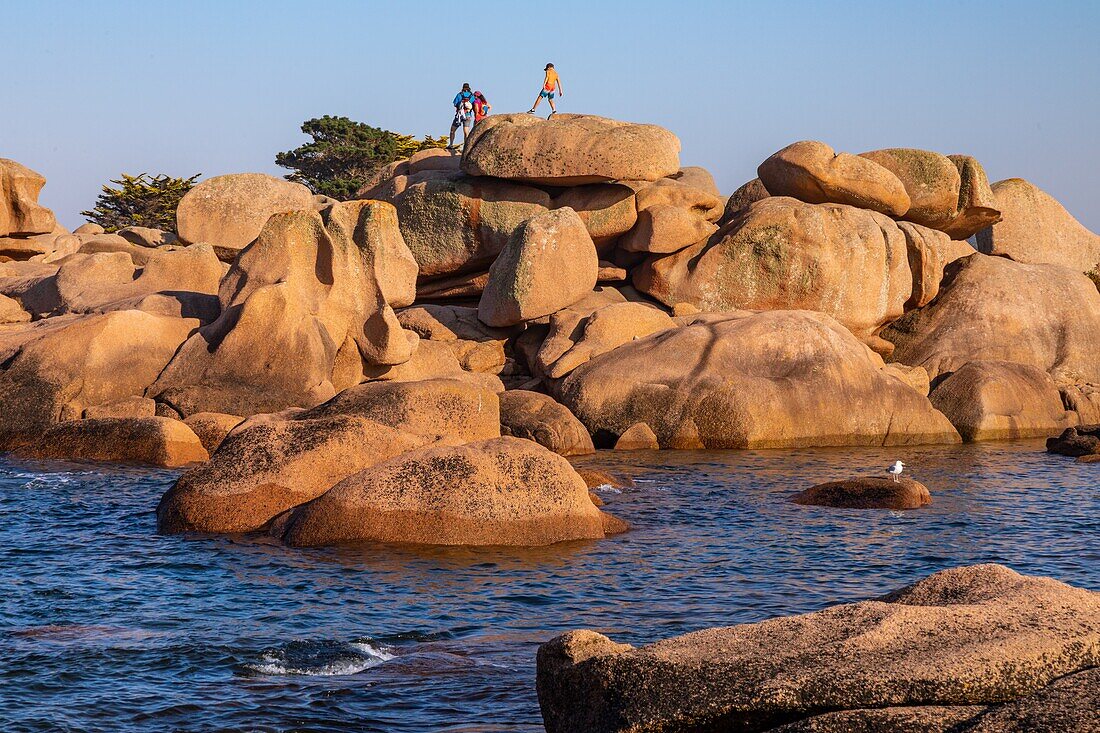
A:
(1001, 400)
(994, 309)
(52, 370)
(569, 150)
(230, 211)
(972, 636)
(302, 310)
(781, 253)
(751, 380)
(1037, 229)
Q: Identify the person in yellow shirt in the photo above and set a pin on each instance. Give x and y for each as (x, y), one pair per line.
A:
(550, 84)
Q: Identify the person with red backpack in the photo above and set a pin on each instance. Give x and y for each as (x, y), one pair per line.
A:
(481, 107)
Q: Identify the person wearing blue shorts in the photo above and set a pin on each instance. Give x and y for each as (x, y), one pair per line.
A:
(551, 83)
(464, 112)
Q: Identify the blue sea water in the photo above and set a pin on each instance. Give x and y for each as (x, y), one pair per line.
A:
(104, 625)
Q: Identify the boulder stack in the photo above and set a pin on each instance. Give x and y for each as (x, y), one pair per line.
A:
(303, 309)
(574, 262)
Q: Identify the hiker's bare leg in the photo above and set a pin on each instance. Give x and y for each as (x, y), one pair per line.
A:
(551, 101)
(451, 144)
(536, 104)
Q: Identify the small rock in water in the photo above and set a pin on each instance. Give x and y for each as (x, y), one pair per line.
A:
(867, 493)
(1083, 440)
(638, 436)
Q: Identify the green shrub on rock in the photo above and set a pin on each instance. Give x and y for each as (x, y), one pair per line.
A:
(140, 201)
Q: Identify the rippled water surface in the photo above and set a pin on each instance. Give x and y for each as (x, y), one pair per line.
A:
(106, 626)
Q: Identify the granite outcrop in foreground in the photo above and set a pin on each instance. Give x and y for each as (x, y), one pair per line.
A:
(979, 648)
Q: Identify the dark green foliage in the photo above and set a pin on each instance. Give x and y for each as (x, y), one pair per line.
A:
(1094, 275)
(345, 155)
(140, 201)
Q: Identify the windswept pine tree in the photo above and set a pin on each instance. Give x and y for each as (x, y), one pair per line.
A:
(345, 154)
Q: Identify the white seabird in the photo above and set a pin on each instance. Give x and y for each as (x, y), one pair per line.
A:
(895, 470)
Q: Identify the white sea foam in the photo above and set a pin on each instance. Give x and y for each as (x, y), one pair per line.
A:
(360, 656)
(607, 489)
(372, 650)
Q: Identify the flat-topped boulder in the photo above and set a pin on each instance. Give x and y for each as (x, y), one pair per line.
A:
(503, 491)
(20, 213)
(229, 211)
(105, 281)
(1036, 228)
(569, 150)
(1001, 400)
(981, 635)
(867, 493)
(49, 247)
(813, 172)
(994, 309)
(156, 441)
(751, 380)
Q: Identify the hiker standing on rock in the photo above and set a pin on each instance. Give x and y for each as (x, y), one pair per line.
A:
(550, 83)
(481, 107)
(464, 109)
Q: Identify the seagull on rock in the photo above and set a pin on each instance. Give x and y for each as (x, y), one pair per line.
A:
(895, 470)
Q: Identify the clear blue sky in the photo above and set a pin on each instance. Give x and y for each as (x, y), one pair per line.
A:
(93, 89)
